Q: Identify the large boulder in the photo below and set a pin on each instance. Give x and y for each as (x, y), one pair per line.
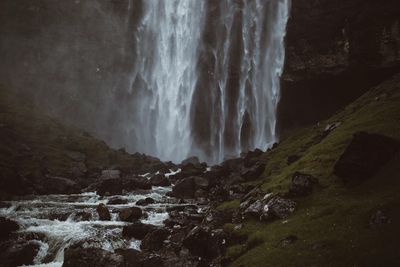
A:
(7, 227)
(302, 184)
(365, 156)
(154, 241)
(84, 257)
(188, 187)
(145, 201)
(104, 213)
(18, 253)
(130, 214)
(137, 230)
(203, 242)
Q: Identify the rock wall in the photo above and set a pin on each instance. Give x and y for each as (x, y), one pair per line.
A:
(336, 50)
(70, 56)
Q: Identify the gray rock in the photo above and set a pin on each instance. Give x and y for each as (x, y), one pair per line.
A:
(278, 208)
(302, 184)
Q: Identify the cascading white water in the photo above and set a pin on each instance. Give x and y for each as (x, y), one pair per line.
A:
(167, 42)
(238, 111)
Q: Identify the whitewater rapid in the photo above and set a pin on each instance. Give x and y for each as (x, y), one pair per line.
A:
(54, 221)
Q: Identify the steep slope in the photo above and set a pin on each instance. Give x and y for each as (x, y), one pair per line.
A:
(34, 145)
(331, 227)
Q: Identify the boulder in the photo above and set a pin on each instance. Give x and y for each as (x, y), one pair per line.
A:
(160, 180)
(302, 184)
(130, 214)
(188, 171)
(137, 230)
(278, 208)
(255, 209)
(83, 216)
(104, 213)
(4, 205)
(365, 156)
(146, 201)
(18, 253)
(84, 257)
(7, 227)
(117, 201)
(203, 242)
(153, 241)
(118, 186)
(187, 187)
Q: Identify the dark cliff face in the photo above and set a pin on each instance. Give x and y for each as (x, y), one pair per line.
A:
(336, 50)
(70, 56)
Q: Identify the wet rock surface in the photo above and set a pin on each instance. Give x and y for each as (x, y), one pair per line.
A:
(103, 212)
(130, 214)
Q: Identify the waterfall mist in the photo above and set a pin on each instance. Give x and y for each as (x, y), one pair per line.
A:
(169, 78)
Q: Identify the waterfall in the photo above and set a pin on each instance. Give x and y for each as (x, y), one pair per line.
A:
(207, 74)
(168, 38)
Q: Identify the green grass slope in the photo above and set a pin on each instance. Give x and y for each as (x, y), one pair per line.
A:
(332, 225)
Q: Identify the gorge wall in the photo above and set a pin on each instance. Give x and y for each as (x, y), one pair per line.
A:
(335, 51)
(77, 59)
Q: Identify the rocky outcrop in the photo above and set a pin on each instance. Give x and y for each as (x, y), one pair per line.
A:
(365, 156)
(336, 50)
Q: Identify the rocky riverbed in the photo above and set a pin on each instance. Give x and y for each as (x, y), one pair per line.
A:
(161, 218)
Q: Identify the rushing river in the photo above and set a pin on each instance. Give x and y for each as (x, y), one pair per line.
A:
(58, 221)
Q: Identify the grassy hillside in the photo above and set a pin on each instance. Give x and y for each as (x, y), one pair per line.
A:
(332, 225)
(34, 144)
